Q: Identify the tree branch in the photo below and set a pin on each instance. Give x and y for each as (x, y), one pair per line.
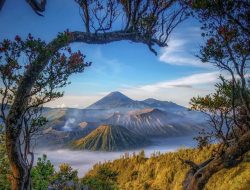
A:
(37, 7)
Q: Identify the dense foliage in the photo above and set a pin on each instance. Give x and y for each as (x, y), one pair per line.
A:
(44, 175)
(166, 172)
(105, 179)
(41, 174)
(220, 112)
(4, 165)
(66, 178)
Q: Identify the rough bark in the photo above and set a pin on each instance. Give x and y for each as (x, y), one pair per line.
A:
(19, 167)
(198, 176)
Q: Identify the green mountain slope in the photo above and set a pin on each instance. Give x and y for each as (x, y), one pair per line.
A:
(165, 172)
(110, 138)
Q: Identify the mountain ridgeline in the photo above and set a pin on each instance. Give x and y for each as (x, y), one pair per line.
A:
(116, 100)
(116, 122)
(153, 122)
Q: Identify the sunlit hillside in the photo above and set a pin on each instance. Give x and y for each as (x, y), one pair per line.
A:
(164, 172)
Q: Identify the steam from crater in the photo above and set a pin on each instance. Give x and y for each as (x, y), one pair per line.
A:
(67, 127)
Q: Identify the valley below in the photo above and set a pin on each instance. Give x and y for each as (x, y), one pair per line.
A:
(84, 160)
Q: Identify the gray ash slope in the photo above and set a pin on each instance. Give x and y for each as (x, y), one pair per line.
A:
(154, 122)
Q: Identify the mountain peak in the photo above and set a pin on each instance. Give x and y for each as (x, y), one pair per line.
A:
(116, 94)
(150, 100)
(112, 100)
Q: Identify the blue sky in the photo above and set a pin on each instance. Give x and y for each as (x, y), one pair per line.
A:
(175, 74)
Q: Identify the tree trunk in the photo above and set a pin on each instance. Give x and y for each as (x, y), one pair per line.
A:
(198, 176)
(20, 169)
(20, 177)
(14, 122)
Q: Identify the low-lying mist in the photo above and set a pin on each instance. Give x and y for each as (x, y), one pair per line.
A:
(84, 160)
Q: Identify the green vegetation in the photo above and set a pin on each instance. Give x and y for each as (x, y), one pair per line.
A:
(236, 178)
(44, 175)
(109, 138)
(66, 178)
(4, 165)
(167, 172)
(41, 173)
(105, 179)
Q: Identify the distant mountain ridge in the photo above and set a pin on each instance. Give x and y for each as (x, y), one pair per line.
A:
(147, 118)
(118, 102)
(163, 104)
(154, 122)
(115, 100)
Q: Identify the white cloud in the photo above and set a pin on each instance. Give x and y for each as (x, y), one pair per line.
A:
(185, 82)
(182, 48)
(178, 52)
(179, 91)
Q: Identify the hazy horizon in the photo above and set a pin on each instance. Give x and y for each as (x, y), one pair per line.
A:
(64, 106)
